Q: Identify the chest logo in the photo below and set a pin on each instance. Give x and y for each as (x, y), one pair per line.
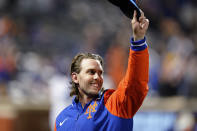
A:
(61, 123)
(90, 109)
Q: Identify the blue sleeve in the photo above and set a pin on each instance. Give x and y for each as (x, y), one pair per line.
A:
(138, 45)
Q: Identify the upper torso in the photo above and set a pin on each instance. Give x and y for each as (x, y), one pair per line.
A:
(114, 110)
(93, 117)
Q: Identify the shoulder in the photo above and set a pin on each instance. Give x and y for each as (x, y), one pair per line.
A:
(107, 93)
(66, 112)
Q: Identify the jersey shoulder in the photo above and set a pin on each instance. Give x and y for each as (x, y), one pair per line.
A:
(107, 93)
(66, 112)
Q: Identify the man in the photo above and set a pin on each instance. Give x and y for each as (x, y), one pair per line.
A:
(92, 108)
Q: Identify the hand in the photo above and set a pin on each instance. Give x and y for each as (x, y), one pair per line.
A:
(139, 27)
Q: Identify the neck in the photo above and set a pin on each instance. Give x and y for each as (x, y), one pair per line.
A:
(84, 99)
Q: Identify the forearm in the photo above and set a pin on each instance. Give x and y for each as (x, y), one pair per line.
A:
(137, 74)
(133, 88)
(136, 77)
(138, 62)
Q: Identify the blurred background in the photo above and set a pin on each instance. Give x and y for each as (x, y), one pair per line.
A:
(39, 38)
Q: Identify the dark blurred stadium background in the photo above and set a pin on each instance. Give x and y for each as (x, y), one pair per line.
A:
(38, 39)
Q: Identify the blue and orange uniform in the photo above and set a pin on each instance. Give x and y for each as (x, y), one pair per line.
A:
(112, 110)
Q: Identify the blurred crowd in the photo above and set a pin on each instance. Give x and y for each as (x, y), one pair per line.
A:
(38, 39)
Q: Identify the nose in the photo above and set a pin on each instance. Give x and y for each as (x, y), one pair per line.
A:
(96, 76)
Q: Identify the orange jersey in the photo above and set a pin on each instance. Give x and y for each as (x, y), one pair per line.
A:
(126, 100)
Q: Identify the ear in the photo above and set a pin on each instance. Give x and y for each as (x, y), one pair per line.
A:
(74, 77)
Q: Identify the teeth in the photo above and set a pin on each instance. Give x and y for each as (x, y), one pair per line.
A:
(95, 84)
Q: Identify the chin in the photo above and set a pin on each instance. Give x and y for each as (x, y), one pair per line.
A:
(94, 92)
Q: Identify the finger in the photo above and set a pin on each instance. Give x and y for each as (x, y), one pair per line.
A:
(145, 24)
(142, 13)
(144, 21)
(141, 19)
(135, 15)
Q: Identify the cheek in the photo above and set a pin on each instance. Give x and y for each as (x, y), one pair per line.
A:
(102, 80)
(86, 79)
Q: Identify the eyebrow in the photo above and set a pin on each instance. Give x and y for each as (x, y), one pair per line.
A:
(95, 69)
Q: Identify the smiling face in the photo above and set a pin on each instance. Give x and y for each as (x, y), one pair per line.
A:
(90, 78)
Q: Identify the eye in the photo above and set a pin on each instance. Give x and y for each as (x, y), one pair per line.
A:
(92, 72)
(100, 73)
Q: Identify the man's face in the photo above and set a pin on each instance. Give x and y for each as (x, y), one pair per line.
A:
(90, 78)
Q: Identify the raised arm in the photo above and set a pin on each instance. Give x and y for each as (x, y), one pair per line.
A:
(126, 100)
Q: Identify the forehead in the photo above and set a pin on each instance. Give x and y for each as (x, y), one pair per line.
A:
(90, 64)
